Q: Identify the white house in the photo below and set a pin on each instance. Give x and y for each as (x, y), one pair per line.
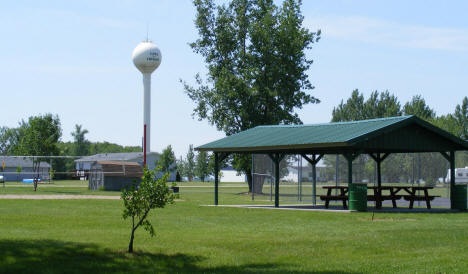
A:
(229, 175)
(293, 173)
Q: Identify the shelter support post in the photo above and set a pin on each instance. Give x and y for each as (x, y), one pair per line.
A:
(378, 158)
(276, 158)
(218, 157)
(452, 179)
(216, 172)
(315, 159)
(458, 193)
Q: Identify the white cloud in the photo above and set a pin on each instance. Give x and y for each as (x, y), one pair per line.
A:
(371, 30)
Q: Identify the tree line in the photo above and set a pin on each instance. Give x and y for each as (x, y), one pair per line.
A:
(406, 167)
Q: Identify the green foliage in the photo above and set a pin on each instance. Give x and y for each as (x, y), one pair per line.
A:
(461, 116)
(202, 169)
(447, 123)
(81, 145)
(378, 105)
(417, 106)
(255, 52)
(9, 139)
(139, 201)
(181, 166)
(39, 137)
(167, 160)
(51, 174)
(190, 164)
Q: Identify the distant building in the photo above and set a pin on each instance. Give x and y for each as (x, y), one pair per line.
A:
(114, 175)
(84, 164)
(230, 175)
(13, 164)
(306, 170)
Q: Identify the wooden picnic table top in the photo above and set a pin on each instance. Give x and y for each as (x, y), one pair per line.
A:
(335, 187)
(384, 187)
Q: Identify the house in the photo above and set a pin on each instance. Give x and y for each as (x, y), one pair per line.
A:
(84, 164)
(230, 175)
(19, 168)
(114, 175)
(293, 172)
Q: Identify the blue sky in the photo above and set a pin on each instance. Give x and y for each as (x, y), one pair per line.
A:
(73, 58)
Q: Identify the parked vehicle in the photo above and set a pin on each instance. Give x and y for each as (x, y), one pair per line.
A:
(461, 176)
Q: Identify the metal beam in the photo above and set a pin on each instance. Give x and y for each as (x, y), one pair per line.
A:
(452, 180)
(313, 162)
(277, 179)
(216, 173)
(446, 155)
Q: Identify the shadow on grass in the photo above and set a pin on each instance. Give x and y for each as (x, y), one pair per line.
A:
(50, 256)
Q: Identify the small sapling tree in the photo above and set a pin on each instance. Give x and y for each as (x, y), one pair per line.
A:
(51, 174)
(18, 171)
(138, 201)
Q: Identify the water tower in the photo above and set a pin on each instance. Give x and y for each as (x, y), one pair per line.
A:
(146, 57)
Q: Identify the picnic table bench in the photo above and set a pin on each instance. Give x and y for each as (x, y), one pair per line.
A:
(410, 195)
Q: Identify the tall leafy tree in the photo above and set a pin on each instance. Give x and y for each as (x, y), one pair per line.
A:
(417, 106)
(378, 105)
(461, 117)
(190, 163)
(167, 160)
(255, 52)
(9, 139)
(81, 145)
(202, 165)
(181, 166)
(39, 138)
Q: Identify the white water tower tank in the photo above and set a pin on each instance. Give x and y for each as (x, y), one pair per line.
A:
(147, 57)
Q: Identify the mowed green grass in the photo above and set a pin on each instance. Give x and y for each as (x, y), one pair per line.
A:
(76, 236)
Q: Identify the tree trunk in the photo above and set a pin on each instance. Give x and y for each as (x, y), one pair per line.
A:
(249, 180)
(130, 245)
(258, 186)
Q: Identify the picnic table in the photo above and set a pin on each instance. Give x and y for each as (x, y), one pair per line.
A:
(329, 197)
(409, 193)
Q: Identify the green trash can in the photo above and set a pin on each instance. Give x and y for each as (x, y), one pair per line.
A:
(458, 200)
(358, 196)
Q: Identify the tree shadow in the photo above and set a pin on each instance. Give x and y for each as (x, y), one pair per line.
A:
(51, 256)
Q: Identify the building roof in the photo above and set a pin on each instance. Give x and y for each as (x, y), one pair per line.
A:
(393, 134)
(119, 169)
(12, 161)
(125, 156)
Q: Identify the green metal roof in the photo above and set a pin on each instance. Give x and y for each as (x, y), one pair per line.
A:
(329, 136)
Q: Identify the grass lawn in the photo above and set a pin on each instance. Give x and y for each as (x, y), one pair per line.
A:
(89, 236)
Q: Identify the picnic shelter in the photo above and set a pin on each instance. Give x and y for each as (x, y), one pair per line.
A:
(376, 137)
